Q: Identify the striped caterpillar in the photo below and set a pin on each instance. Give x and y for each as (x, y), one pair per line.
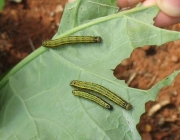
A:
(103, 91)
(92, 98)
(71, 40)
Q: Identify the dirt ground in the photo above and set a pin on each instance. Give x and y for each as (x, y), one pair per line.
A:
(23, 27)
(146, 67)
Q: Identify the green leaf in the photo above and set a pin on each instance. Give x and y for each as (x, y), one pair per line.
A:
(1, 4)
(83, 11)
(36, 101)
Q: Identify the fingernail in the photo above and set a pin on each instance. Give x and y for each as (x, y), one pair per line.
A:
(170, 7)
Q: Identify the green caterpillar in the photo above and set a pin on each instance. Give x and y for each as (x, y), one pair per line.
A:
(103, 91)
(92, 98)
(71, 40)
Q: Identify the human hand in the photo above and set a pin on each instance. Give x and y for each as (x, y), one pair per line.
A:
(169, 14)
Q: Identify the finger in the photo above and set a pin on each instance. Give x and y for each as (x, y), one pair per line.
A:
(170, 7)
(127, 3)
(149, 2)
(162, 20)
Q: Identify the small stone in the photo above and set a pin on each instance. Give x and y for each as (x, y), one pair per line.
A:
(17, 1)
(51, 19)
(126, 62)
(146, 48)
(58, 9)
(174, 93)
(148, 128)
(174, 58)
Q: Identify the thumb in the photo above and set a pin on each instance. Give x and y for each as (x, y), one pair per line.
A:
(170, 7)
